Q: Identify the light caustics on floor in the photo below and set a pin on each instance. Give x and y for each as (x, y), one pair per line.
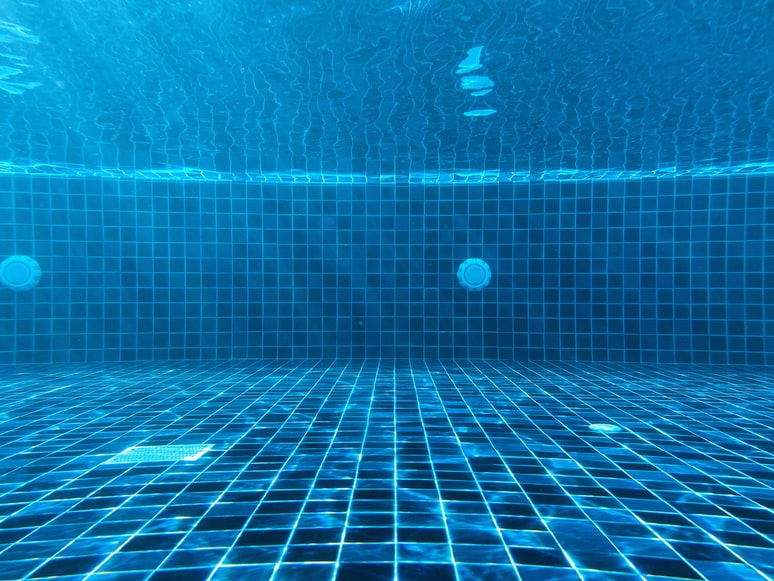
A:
(377, 470)
(460, 176)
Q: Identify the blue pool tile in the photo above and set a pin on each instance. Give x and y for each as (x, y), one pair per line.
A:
(258, 555)
(423, 571)
(293, 572)
(13, 570)
(238, 572)
(64, 566)
(367, 552)
(536, 573)
(365, 572)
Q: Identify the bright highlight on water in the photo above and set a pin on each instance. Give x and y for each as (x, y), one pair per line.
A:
(605, 428)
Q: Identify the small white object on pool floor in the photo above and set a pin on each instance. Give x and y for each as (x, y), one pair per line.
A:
(19, 272)
(474, 274)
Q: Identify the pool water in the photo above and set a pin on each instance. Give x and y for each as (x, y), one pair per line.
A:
(389, 290)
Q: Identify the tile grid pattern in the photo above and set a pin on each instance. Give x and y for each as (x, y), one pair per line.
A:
(652, 270)
(371, 469)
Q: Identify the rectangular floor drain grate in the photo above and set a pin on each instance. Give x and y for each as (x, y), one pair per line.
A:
(171, 453)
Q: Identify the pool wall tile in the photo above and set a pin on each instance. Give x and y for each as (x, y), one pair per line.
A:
(648, 270)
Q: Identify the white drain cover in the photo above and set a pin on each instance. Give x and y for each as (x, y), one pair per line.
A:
(19, 272)
(474, 274)
(171, 453)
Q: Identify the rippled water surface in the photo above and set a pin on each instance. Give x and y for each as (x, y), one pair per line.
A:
(435, 89)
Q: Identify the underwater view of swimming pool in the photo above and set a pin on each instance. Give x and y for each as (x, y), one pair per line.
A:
(386, 290)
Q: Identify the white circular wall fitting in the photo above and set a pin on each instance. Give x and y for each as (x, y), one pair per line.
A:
(474, 274)
(19, 272)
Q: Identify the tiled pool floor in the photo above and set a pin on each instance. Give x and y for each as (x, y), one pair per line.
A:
(377, 470)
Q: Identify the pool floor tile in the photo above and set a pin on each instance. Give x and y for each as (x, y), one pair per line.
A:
(368, 470)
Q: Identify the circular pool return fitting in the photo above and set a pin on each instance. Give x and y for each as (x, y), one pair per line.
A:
(474, 274)
(19, 272)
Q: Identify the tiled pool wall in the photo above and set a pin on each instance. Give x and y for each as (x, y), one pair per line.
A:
(655, 270)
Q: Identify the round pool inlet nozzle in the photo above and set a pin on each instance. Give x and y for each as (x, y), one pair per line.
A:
(19, 272)
(474, 274)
